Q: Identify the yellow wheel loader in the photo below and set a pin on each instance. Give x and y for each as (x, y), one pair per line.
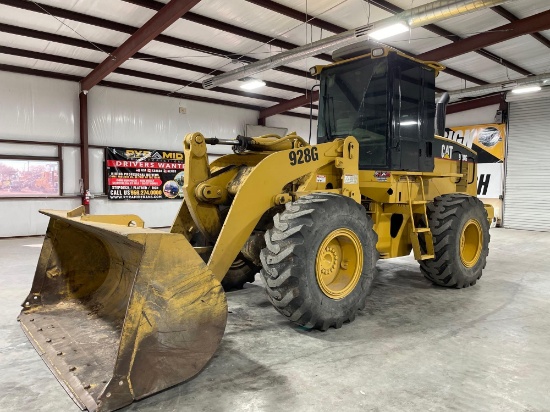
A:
(119, 312)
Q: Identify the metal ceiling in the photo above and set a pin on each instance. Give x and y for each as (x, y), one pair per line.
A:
(220, 35)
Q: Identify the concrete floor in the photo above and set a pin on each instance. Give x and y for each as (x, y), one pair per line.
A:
(415, 348)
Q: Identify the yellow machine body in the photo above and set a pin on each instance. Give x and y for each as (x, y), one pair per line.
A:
(118, 311)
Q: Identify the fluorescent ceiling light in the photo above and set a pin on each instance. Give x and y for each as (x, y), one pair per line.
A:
(528, 89)
(408, 123)
(389, 31)
(252, 84)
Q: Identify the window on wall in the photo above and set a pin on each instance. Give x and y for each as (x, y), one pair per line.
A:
(33, 178)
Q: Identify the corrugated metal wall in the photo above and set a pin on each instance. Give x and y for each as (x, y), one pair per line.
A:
(527, 195)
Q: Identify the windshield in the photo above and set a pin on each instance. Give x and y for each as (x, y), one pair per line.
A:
(353, 102)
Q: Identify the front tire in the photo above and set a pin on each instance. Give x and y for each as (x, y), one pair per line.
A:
(241, 271)
(461, 237)
(320, 259)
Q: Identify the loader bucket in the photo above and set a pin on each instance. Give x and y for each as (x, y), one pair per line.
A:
(119, 312)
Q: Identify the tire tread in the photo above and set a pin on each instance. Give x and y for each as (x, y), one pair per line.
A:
(282, 259)
(442, 216)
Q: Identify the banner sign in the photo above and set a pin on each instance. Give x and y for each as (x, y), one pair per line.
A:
(490, 180)
(488, 140)
(140, 174)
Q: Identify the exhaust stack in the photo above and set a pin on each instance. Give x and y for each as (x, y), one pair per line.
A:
(440, 112)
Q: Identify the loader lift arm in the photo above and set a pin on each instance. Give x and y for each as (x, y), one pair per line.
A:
(258, 191)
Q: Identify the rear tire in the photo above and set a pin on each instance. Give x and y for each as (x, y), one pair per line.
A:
(461, 241)
(320, 259)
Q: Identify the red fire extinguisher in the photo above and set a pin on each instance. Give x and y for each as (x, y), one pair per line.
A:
(86, 198)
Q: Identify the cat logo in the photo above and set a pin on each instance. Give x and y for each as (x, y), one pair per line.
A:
(446, 151)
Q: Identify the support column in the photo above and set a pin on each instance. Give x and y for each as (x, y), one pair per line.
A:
(84, 152)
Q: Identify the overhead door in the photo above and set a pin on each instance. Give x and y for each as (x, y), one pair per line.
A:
(527, 195)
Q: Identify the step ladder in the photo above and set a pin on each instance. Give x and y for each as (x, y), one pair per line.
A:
(416, 232)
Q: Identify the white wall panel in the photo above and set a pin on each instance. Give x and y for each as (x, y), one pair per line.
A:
(294, 124)
(71, 170)
(125, 118)
(21, 217)
(97, 157)
(34, 108)
(17, 149)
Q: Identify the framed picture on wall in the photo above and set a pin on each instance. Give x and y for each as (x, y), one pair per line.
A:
(33, 178)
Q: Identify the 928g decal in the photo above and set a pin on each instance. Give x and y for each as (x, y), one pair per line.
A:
(302, 156)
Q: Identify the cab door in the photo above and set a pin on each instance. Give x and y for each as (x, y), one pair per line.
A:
(413, 116)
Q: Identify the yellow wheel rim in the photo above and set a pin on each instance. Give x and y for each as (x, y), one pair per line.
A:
(471, 243)
(339, 263)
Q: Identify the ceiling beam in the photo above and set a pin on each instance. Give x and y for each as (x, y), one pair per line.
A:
(298, 15)
(71, 41)
(124, 28)
(389, 7)
(289, 104)
(39, 73)
(163, 19)
(528, 25)
(512, 18)
(226, 27)
(141, 89)
(475, 103)
(136, 73)
(462, 76)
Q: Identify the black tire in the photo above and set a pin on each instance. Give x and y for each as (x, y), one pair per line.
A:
(448, 216)
(241, 271)
(289, 260)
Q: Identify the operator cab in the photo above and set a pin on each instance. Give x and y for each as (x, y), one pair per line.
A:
(384, 99)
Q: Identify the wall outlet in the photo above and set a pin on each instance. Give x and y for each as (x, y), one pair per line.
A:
(183, 110)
